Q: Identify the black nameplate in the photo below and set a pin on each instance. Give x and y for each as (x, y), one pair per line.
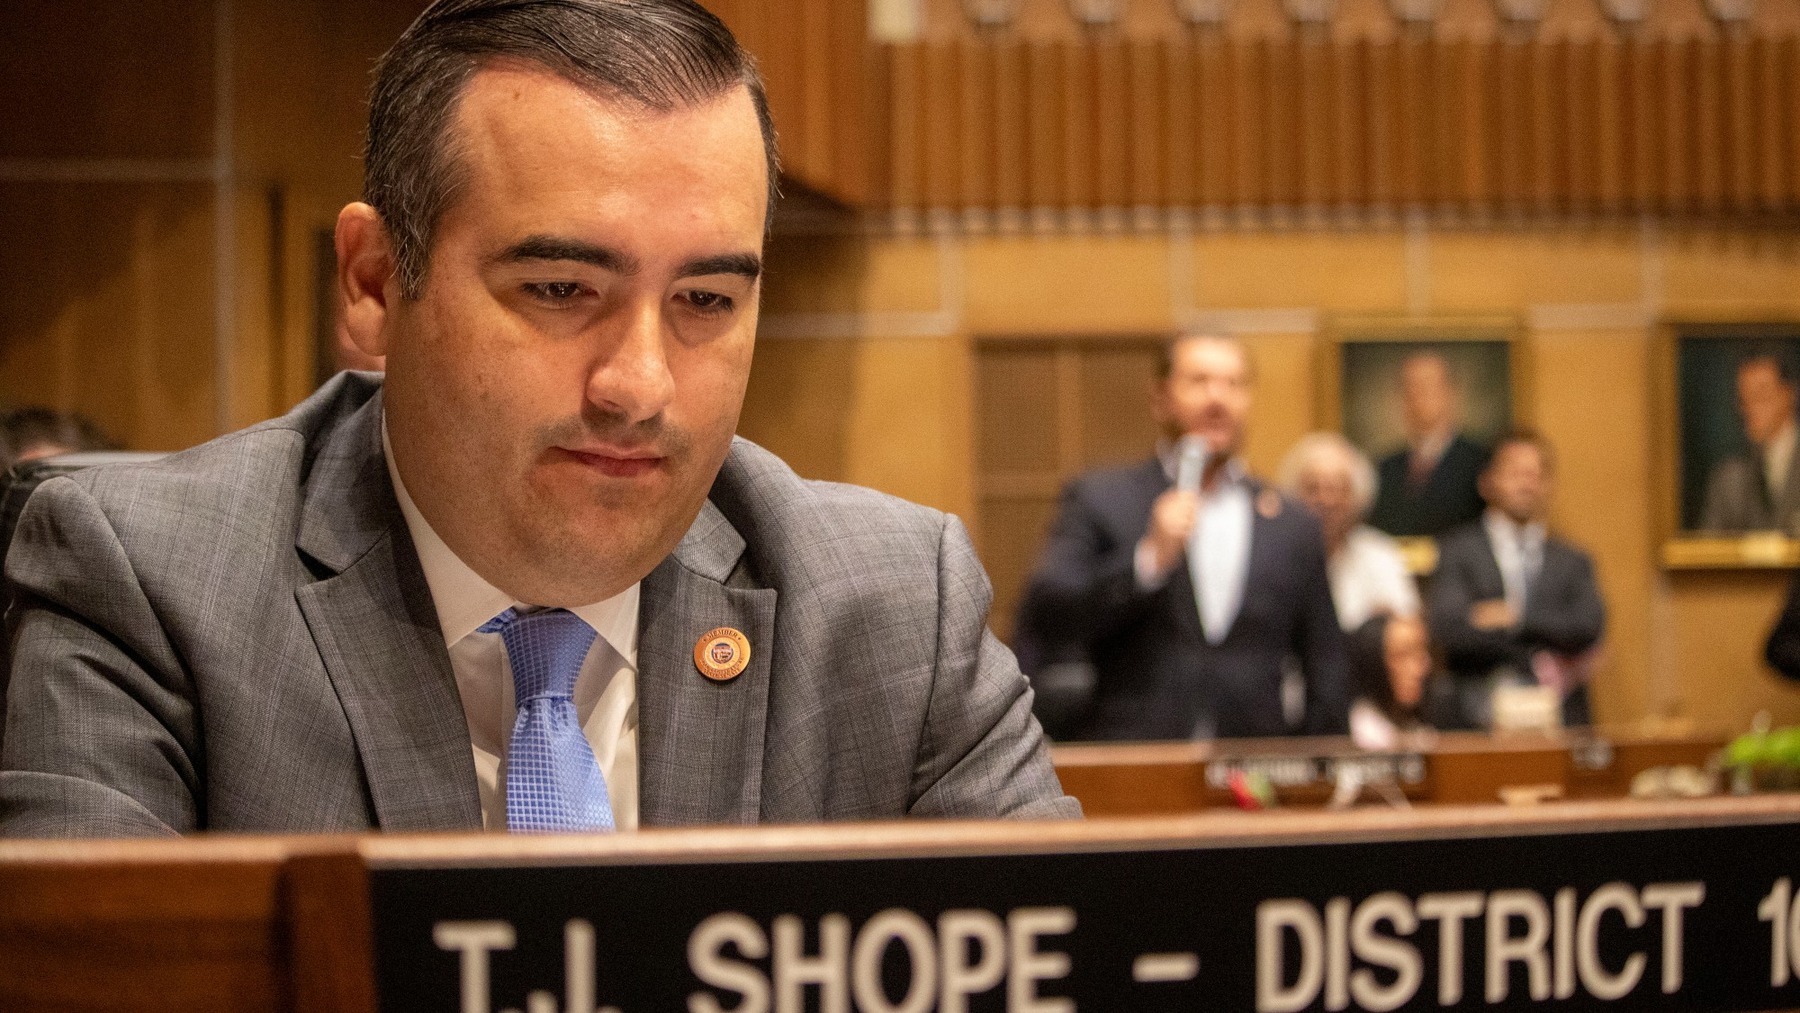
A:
(1689, 919)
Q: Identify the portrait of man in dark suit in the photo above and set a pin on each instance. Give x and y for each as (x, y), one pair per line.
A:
(1759, 488)
(1429, 485)
(1190, 586)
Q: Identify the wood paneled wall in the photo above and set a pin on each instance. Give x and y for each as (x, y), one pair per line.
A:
(814, 57)
(1698, 125)
(1047, 410)
(163, 170)
(106, 226)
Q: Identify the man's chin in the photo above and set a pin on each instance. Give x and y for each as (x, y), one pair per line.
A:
(577, 568)
(628, 535)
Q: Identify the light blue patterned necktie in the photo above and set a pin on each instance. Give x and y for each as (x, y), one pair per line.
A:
(553, 781)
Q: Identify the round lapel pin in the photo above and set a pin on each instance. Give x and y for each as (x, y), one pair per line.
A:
(1269, 504)
(722, 654)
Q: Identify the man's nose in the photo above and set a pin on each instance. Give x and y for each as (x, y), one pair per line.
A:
(632, 377)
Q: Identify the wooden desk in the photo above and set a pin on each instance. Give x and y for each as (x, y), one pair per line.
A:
(285, 923)
(1145, 778)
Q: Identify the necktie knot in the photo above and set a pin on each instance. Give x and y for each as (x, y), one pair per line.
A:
(546, 650)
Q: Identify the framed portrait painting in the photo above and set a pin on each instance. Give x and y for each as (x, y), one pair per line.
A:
(1424, 398)
(1730, 467)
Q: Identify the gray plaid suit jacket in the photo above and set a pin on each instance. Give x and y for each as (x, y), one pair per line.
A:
(239, 637)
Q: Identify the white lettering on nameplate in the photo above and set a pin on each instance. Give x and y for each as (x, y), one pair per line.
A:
(475, 940)
(1304, 771)
(968, 952)
(1555, 939)
(1781, 909)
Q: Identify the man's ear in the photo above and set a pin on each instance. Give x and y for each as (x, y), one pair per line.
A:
(367, 283)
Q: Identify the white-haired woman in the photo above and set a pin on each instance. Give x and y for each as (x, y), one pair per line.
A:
(1368, 575)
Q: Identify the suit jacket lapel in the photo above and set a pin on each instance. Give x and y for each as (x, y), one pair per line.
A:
(1493, 582)
(1256, 568)
(377, 632)
(1184, 601)
(700, 742)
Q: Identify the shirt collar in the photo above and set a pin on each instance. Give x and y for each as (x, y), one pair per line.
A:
(464, 599)
(1501, 526)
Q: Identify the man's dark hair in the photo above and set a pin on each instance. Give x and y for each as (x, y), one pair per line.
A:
(661, 54)
(26, 429)
(1775, 355)
(1523, 437)
(1165, 356)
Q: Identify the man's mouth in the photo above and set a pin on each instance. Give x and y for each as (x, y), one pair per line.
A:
(614, 462)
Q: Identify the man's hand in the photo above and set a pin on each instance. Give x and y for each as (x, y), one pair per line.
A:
(1171, 523)
(1493, 614)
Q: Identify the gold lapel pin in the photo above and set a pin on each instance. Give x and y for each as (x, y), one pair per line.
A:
(722, 654)
(1269, 504)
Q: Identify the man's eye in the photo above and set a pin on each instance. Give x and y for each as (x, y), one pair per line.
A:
(553, 291)
(709, 302)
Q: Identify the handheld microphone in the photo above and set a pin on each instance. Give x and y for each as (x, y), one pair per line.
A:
(1191, 464)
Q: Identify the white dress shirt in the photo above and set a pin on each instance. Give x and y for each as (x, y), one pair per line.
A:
(605, 689)
(1777, 457)
(1368, 577)
(1519, 551)
(1218, 553)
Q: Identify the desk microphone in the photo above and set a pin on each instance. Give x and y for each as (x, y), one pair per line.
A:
(1191, 464)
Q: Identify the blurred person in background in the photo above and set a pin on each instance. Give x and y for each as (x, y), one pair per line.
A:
(1429, 486)
(1759, 490)
(1397, 690)
(1191, 602)
(1782, 649)
(1511, 603)
(30, 434)
(1368, 575)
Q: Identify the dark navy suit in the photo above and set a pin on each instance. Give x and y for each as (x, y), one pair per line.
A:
(1449, 496)
(1156, 676)
(1782, 650)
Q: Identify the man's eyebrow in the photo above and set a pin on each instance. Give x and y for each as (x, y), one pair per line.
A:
(747, 265)
(553, 248)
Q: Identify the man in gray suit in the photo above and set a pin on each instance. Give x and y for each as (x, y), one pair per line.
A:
(1512, 604)
(1759, 490)
(531, 580)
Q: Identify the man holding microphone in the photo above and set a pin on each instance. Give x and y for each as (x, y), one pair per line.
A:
(1191, 587)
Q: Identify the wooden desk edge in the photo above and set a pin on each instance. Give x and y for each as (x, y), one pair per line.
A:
(922, 837)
